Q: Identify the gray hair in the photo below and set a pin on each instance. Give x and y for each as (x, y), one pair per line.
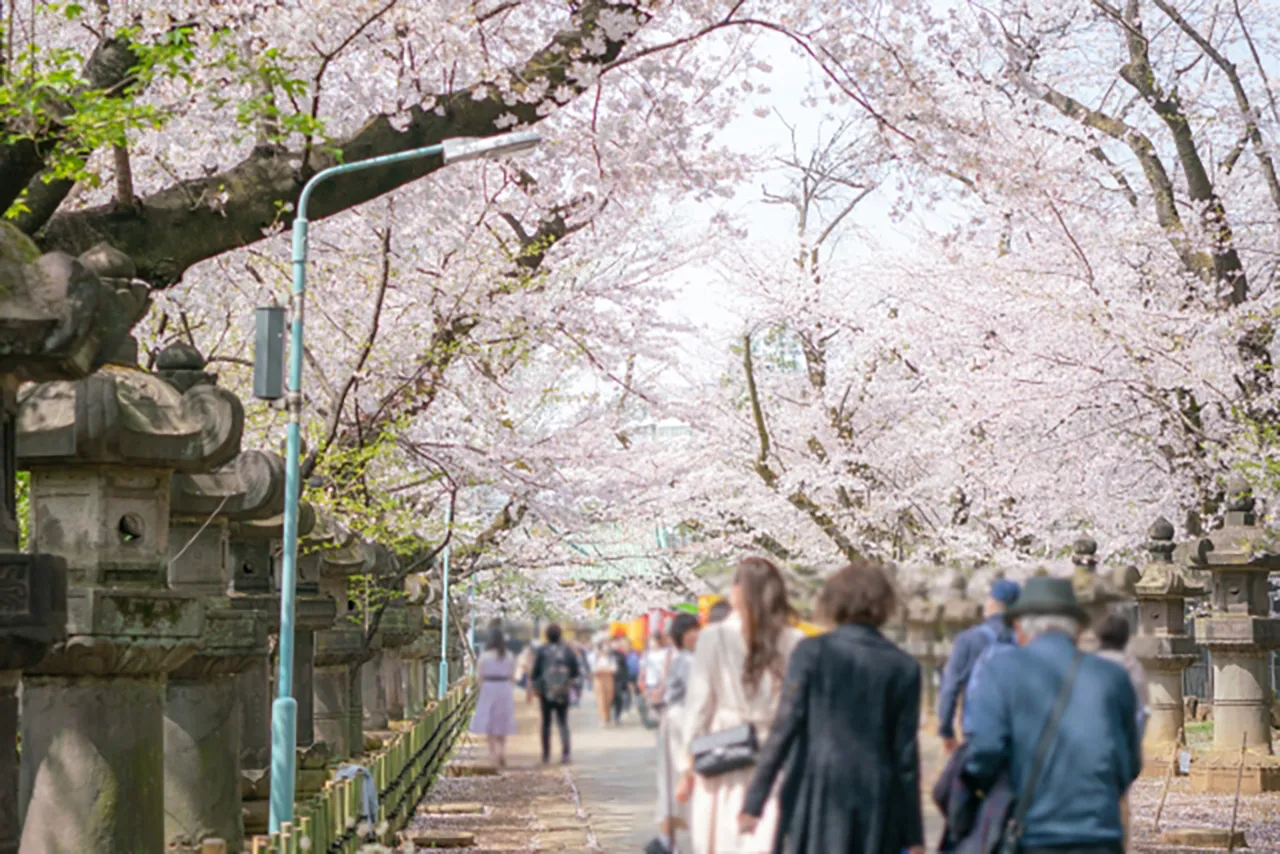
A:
(1034, 625)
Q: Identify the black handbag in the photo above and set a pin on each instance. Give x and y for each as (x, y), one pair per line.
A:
(728, 750)
(657, 845)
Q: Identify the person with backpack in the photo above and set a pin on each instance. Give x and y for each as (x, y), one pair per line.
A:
(1056, 729)
(555, 668)
(968, 647)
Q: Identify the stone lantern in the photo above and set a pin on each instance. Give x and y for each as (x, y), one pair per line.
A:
(203, 712)
(419, 597)
(378, 690)
(340, 650)
(1239, 634)
(1097, 593)
(60, 319)
(254, 545)
(959, 612)
(922, 639)
(401, 626)
(1162, 644)
(101, 452)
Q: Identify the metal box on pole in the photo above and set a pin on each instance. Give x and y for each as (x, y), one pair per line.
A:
(268, 353)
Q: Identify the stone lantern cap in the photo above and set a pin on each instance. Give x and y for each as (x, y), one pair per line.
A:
(61, 317)
(250, 487)
(126, 416)
(958, 610)
(349, 556)
(272, 527)
(1240, 544)
(1161, 577)
(1092, 588)
(920, 609)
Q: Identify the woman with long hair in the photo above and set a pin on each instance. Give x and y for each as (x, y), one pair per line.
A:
(846, 731)
(735, 679)
(495, 716)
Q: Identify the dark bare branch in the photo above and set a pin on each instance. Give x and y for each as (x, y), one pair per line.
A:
(240, 206)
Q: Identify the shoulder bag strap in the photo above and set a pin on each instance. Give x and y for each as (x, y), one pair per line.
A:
(1042, 749)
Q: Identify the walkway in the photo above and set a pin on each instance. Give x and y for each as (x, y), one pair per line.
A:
(603, 802)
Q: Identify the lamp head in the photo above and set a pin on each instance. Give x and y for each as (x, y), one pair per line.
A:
(474, 148)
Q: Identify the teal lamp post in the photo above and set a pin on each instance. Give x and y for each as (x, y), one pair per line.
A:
(284, 711)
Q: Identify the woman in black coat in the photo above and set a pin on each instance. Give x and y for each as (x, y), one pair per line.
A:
(846, 731)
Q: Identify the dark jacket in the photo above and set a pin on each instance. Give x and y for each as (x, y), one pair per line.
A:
(848, 718)
(1093, 759)
(965, 651)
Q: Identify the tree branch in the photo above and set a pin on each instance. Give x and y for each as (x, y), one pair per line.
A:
(241, 205)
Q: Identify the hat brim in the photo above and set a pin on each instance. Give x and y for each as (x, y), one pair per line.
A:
(1047, 609)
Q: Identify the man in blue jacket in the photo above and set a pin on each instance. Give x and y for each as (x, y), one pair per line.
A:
(1094, 755)
(966, 651)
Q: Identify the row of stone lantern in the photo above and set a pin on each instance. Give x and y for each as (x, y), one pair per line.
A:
(144, 727)
(1237, 631)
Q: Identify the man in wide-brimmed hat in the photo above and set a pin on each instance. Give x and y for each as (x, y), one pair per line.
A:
(1095, 752)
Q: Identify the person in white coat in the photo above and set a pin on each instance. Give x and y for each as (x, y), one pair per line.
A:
(673, 817)
(736, 679)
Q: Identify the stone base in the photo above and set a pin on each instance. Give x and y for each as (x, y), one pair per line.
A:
(441, 838)
(92, 774)
(1218, 775)
(1155, 761)
(470, 769)
(202, 764)
(461, 808)
(1202, 838)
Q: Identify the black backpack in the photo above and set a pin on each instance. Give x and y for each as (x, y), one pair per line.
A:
(557, 677)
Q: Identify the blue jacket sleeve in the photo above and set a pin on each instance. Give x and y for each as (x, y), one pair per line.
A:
(992, 733)
(954, 677)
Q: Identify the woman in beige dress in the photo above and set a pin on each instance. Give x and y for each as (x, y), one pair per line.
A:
(736, 678)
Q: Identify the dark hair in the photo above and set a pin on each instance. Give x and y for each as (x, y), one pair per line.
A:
(765, 616)
(681, 625)
(497, 640)
(718, 612)
(1113, 632)
(553, 633)
(862, 592)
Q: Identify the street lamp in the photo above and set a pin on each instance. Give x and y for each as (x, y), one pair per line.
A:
(284, 711)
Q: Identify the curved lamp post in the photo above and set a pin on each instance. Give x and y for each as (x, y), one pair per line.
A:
(284, 711)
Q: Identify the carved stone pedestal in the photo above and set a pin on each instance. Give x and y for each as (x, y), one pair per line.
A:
(93, 724)
(415, 655)
(1163, 645)
(338, 651)
(202, 734)
(33, 615)
(1239, 635)
(922, 642)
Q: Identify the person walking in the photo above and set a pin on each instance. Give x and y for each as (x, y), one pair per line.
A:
(1061, 724)
(495, 716)
(602, 670)
(673, 817)
(654, 666)
(965, 652)
(554, 669)
(621, 678)
(1113, 640)
(847, 725)
(734, 684)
